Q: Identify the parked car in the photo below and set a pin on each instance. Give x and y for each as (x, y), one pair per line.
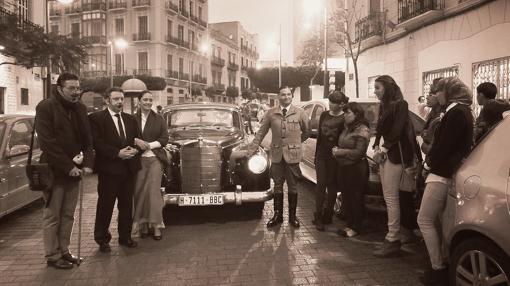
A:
(476, 220)
(209, 165)
(15, 136)
(314, 109)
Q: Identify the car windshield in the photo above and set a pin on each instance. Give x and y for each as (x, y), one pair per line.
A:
(371, 113)
(202, 118)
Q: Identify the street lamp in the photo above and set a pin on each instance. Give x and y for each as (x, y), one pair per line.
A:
(48, 62)
(120, 44)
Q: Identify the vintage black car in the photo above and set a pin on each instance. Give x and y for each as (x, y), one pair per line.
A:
(209, 162)
(15, 135)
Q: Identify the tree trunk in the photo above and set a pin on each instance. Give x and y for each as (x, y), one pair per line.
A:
(355, 64)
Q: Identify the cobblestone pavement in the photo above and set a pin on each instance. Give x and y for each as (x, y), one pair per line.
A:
(211, 246)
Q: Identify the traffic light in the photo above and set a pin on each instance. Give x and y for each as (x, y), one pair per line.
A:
(331, 81)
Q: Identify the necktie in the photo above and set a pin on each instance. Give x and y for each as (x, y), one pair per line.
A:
(284, 111)
(121, 129)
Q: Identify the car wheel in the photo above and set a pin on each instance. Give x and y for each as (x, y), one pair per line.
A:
(479, 261)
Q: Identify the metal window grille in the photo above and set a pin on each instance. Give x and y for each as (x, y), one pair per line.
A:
(496, 71)
(371, 88)
(429, 76)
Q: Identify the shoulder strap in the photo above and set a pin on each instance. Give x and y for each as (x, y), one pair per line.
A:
(29, 161)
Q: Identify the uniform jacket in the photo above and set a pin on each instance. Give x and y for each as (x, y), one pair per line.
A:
(107, 143)
(287, 133)
(58, 142)
(155, 130)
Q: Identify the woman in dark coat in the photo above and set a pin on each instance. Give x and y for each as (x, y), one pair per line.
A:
(352, 164)
(331, 124)
(453, 139)
(147, 198)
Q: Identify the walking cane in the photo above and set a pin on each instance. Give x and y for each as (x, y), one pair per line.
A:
(78, 159)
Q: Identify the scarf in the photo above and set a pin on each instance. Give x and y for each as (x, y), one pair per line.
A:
(77, 122)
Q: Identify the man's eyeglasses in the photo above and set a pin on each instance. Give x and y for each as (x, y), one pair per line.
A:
(74, 89)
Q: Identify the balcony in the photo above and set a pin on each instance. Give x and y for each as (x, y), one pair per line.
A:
(368, 27)
(146, 72)
(94, 39)
(87, 7)
(217, 61)
(73, 10)
(142, 37)
(219, 87)
(199, 79)
(184, 13)
(183, 76)
(244, 49)
(170, 5)
(96, 73)
(173, 40)
(55, 12)
(172, 74)
(233, 66)
(194, 47)
(415, 13)
(120, 72)
(202, 23)
(115, 5)
(194, 18)
(184, 43)
(141, 3)
(244, 68)
(8, 17)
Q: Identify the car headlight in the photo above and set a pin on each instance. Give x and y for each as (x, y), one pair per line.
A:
(257, 164)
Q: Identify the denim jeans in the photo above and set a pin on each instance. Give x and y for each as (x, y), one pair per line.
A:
(391, 175)
(432, 206)
(58, 218)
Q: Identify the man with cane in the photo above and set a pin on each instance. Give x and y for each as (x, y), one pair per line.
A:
(63, 131)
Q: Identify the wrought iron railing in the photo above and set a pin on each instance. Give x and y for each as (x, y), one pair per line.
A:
(94, 39)
(372, 25)
(408, 9)
(233, 66)
(172, 39)
(142, 36)
(117, 4)
(185, 13)
(142, 72)
(139, 3)
(170, 5)
(172, 74)
(218, 61)
(183, 76)
(7, 17)
(93, 6)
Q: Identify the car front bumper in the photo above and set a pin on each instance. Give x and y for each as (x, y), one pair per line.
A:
(237, 197)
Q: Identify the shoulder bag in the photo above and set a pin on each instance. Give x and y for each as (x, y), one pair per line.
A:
(40, 175)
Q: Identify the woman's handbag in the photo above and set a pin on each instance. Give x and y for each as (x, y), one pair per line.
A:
(40, 175)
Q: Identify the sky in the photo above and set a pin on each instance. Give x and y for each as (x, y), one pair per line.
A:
(262, 17)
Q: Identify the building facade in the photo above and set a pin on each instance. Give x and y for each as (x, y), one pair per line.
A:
(21, 89)
(164, 39)
(238, 48)
(417, 41)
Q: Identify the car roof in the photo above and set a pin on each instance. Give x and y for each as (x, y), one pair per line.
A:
(8, 117)
(193, 105)
(325, 101)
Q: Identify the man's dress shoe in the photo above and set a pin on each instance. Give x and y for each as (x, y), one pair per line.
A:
(105, 248)
(128, 243)
(60, 264)
(71, 258)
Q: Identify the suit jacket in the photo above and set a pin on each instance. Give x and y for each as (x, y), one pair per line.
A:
(155, 130)
(287, 133)
(107, 143)
(59, 143)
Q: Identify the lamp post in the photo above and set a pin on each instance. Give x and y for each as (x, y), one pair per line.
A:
(47, 88)
(326, 75)
(119, 44)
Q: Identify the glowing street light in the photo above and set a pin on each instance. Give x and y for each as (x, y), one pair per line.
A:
(120, 44)
(2, 48)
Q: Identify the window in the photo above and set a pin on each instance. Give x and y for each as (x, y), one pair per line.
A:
(20, 134)
(54, 29)
(191, 36)
(181, 5)
(181, 66)
(143, 27)
(169, 62)
(169, 27)
(181, 99)
(143, 63)
(314, 122)
(200, 12)
(371, 89)
(496, 71)
(169, 100)
(429, 76)
(96, 28)
(119, 64)
(24, 96)
(180, 32)
(170, 90)
(75, 30)
(191, 8)
(119, 27)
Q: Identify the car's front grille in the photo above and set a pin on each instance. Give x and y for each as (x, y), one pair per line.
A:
(200, 168)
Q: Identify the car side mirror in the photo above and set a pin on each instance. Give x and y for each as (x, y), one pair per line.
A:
(17, 150)
(314, 133)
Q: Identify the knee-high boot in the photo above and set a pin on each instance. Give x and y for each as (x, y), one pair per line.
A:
(278, 210)
(293, 220)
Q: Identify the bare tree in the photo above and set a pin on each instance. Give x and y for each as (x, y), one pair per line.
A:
(313, 53)
(343, 21)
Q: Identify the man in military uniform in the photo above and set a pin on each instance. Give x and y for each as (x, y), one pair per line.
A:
(289, 126)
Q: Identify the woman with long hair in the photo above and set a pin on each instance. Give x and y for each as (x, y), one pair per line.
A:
(396, 154)
(148, 202)
(331, 124)
(350, 154)
(453, 139)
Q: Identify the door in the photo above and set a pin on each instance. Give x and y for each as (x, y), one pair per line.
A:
(17, 149)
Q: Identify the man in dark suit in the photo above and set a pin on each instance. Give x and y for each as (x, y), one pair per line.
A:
(117, 163)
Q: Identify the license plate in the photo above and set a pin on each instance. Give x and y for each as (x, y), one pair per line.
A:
(201, 200)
